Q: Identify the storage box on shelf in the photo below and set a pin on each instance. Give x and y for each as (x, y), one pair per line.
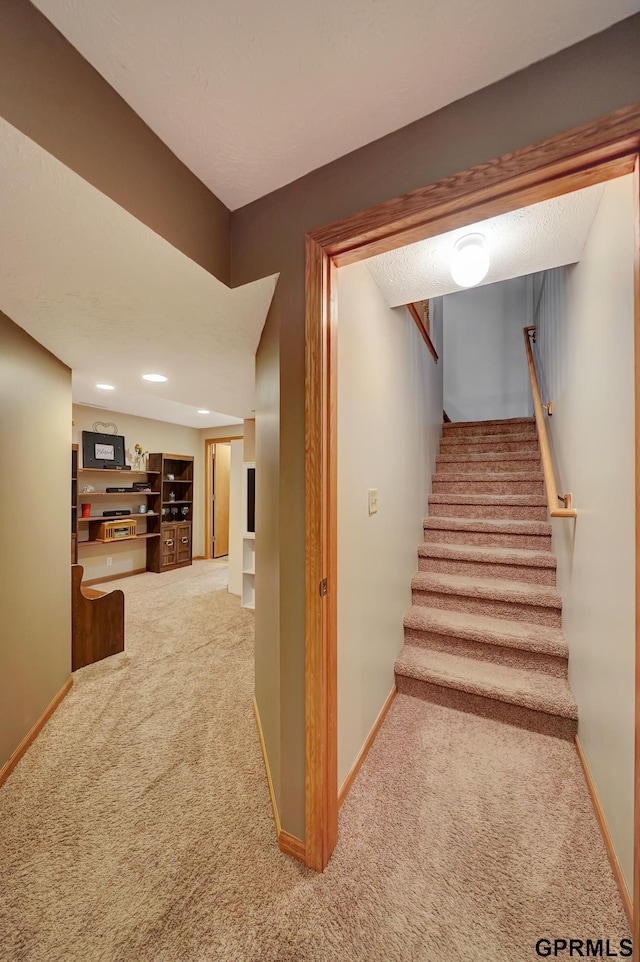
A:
(173, 496)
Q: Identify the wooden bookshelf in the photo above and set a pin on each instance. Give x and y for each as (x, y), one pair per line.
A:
(168, 535)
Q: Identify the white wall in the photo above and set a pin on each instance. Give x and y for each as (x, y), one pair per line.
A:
(153, 436)
(585, 355)
(235, 518)
(485, 365)
(389, 422)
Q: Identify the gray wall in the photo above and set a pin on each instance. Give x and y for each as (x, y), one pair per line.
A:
(485, 364)
(35, 499)
(586, 81)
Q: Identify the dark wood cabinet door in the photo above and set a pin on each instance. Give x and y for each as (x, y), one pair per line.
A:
(183, 543)
(169, 546)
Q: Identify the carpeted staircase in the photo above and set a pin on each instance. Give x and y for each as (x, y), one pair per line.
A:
(484, 633)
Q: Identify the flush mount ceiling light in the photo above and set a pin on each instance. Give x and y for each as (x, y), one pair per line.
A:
(202, 411)
(470, 261)
(106, 387)
(154, 377)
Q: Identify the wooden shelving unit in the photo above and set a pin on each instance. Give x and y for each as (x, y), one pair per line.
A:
(138, 537)
(167, 523)
(172, 474)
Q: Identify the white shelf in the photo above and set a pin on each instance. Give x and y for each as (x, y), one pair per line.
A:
(248, 561)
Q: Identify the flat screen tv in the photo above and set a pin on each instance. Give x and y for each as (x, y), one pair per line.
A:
(102, 450)
(251, 500)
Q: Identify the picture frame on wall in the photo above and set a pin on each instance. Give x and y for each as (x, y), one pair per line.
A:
(104, 451)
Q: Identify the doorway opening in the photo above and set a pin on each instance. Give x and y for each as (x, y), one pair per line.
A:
(595, 153)
(217, 461)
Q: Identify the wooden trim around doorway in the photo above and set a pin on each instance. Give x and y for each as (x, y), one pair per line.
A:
(591, 154)
(208, 488)
(635, 927)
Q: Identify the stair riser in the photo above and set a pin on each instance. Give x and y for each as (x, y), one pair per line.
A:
(489, 466)
(496, 654)
(510, 610)
(483, 569)
(533, 542)
(536, 721)
(485, 430)
(480, 446)
(506, 512)
(489, 486)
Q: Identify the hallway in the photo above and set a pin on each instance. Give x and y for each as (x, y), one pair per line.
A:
(138, 827)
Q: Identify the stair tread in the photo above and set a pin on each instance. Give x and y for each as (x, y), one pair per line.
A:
(462, 552)
(474, 456)
(530, 689)
(475, 424)
(494, 589)
(525, 500)
(488, 439)
(495, 525)
(488, 630)
(475, 477)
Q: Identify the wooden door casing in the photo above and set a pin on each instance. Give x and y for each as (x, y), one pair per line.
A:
(221, 480)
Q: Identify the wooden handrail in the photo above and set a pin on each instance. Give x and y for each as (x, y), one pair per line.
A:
(547, 465)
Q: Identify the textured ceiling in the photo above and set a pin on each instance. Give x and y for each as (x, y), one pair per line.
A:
(114, 301)
(251, 95)
(531, 239)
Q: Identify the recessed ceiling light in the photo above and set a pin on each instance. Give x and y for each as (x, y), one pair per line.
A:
(106, 387)
(154, 377)
(470, 262)
(202, 411)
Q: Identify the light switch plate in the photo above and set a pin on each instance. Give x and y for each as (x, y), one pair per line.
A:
(373, 500)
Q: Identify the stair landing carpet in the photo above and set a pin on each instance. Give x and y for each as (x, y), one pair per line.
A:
(484, 633)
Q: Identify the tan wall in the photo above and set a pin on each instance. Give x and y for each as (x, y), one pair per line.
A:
(153, 436)
(267, 579)
(585, 349)
(35, 488)
(236, 518)
(250, 439)
(55, 97)
(597, 76)
(226, 431)
(390, 403)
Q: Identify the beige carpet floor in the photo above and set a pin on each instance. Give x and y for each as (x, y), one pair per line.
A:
(138, 827)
